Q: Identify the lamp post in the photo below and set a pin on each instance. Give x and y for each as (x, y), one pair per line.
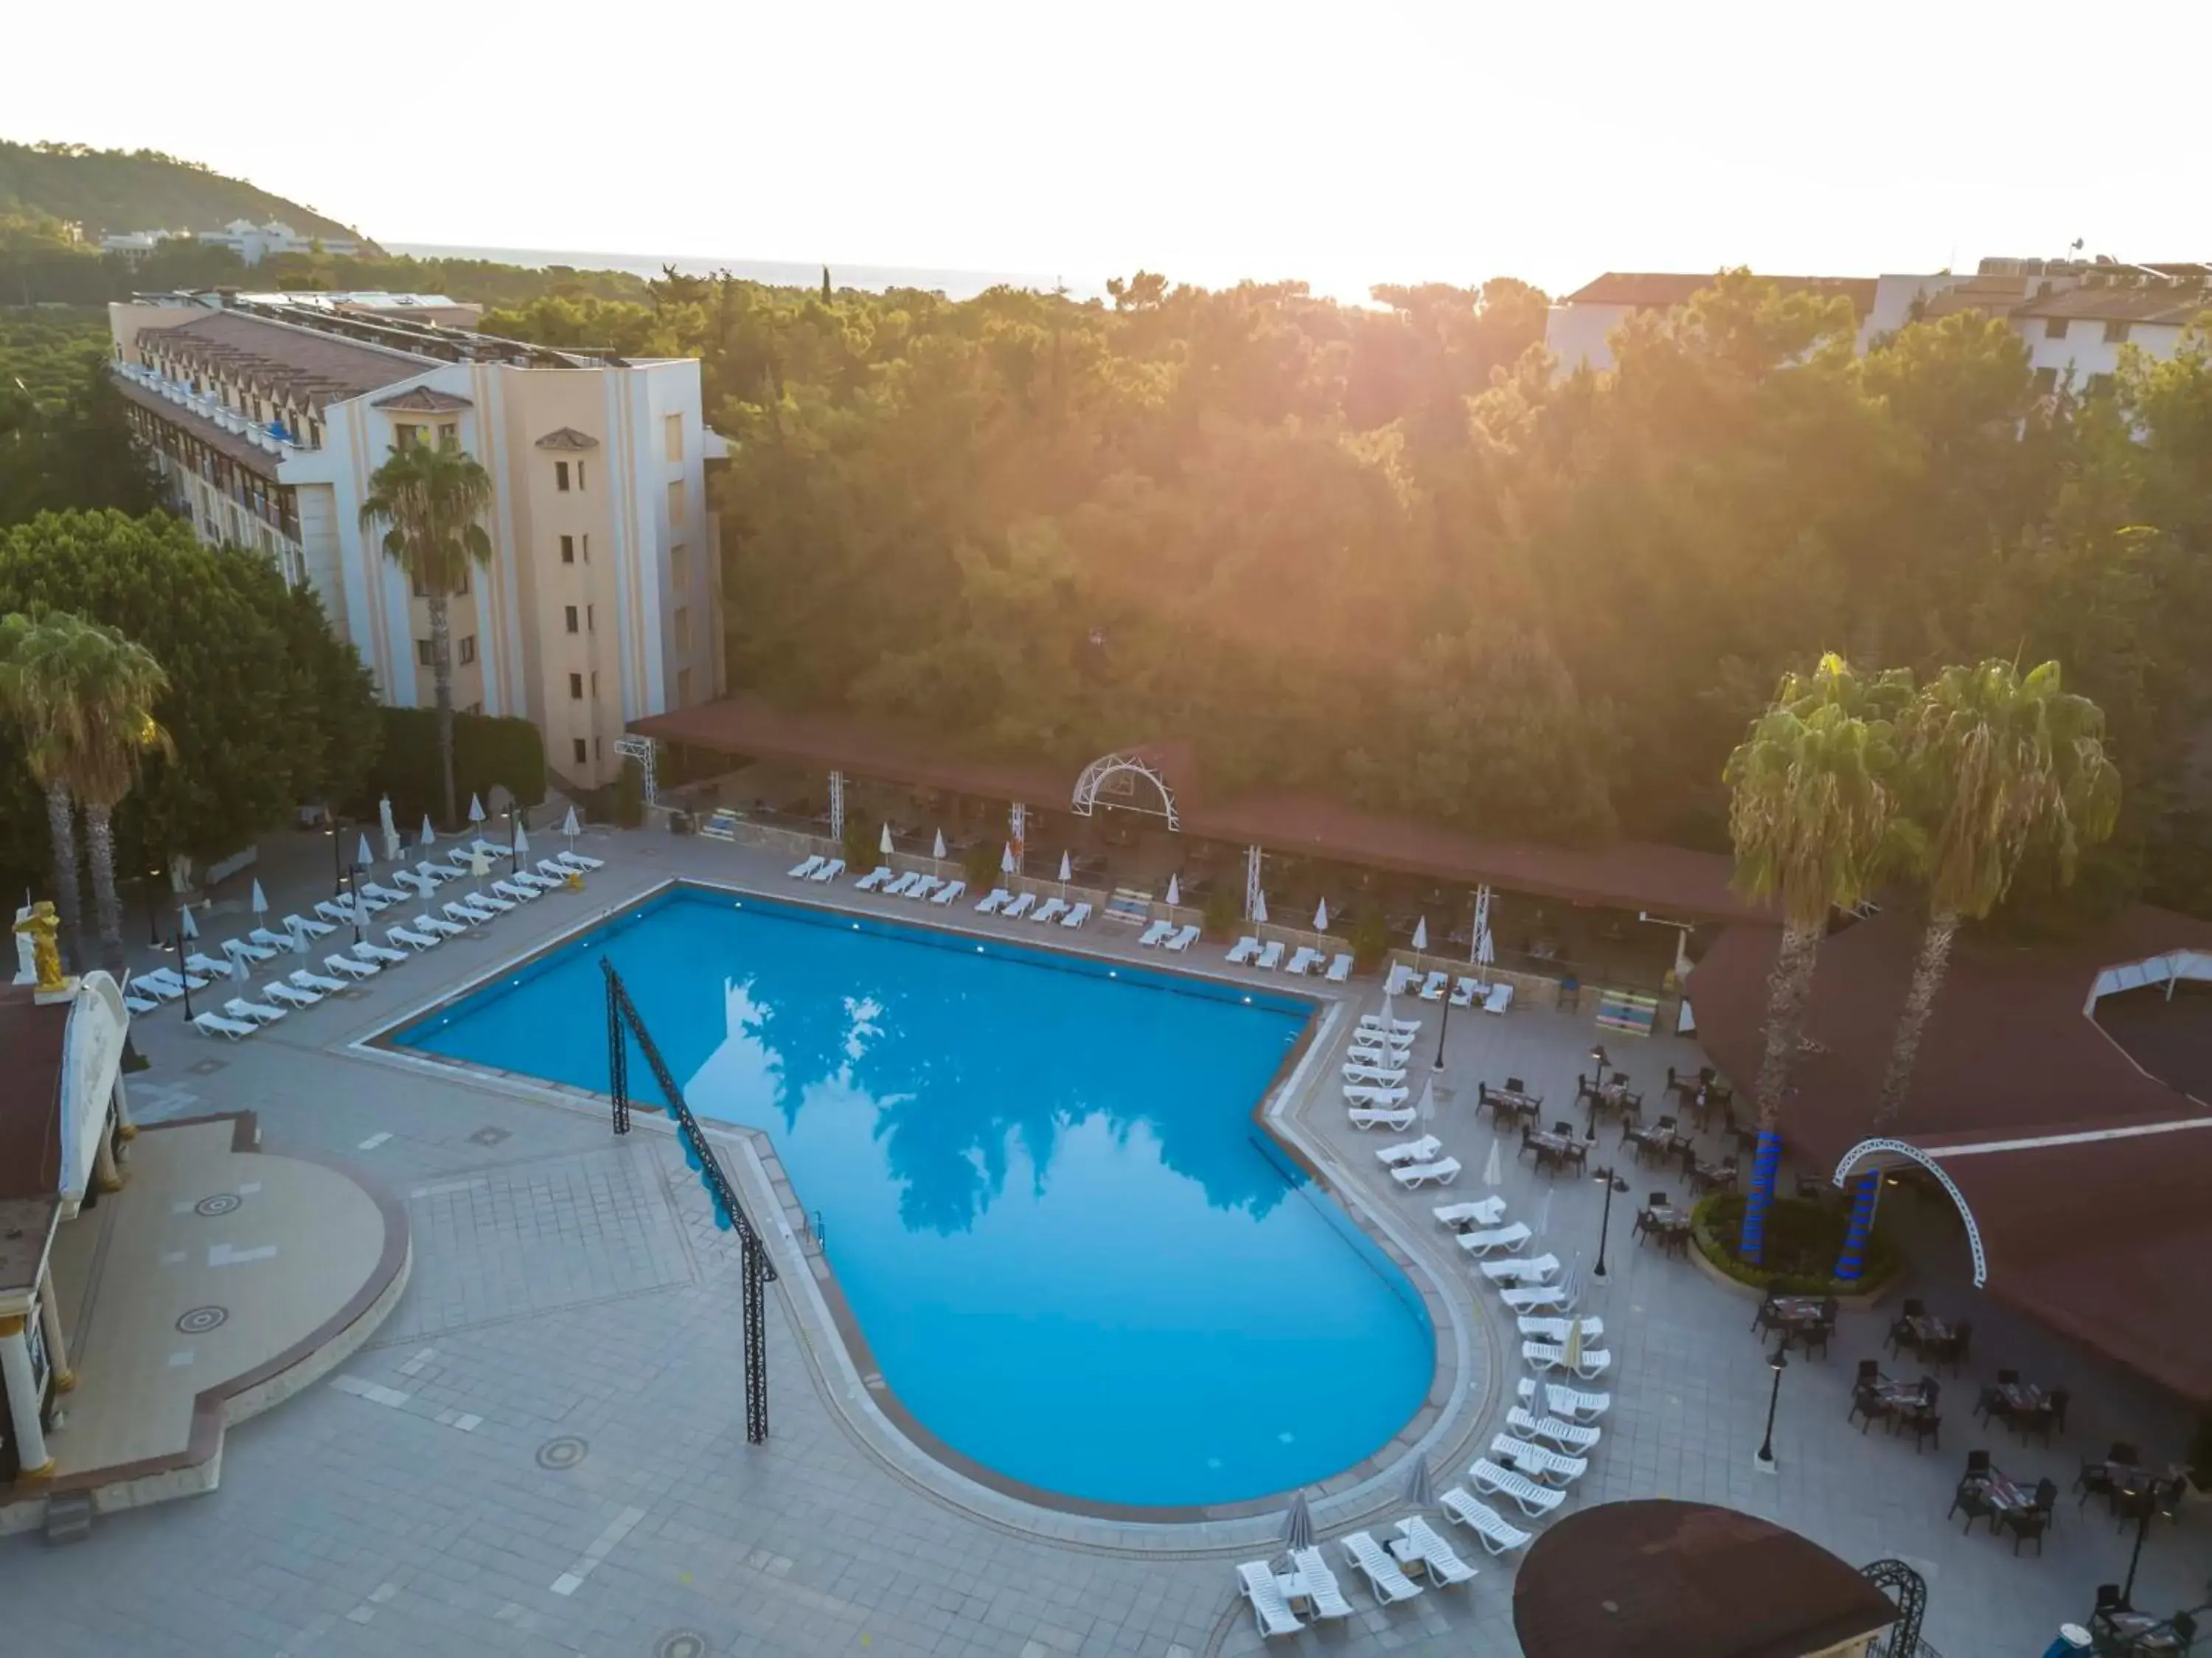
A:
(338, 867)
(1611, 1183)
(184, 972)
(1778, 1361)
(2152, 1507)
(153, 921)
(1443, 1021)
(1597, 1059)
(353, 904)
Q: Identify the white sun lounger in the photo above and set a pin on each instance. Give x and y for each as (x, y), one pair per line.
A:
(1564, 1435)
(1418, 1540)
(1531, 1458)
(1562, 1401)
(213, 1024)
(1388, 1055)
(1538, 1298)
(828, 871)
(413, 940)
(512, 893)
(198, 963)
(1400, 976)
(1397, 1118)
(312, 929)
(802, 870)
(176, 981)
(553, 871)
(368, 904)
(1443, 1172)
(1022, 905)
(291, 994)
(251, 1013)
(271, 942)
(1544, 1329)
(377, 953)
(491, 901)
(1303, 957)
(924, 886)
(1460, 1217)
(1242, 951)
(421, 885)
(899, 885)
(994, 901)
(317, 982)
(1410, 1151)
(1340, 970)
(461, 910)
(1183, 939)
(430, 872)
(581, 861)
(948, 894)
(1051, 910)
(1433, 988)
(1534, 1269)
(138, 1003)
(1270, 953)
(1499, 1000)
(1321, 1586)
(252, 949)
(1155, 933)
(1270, 1612)
(1543, 1356)
(1463, 991)
(1398, 1030)
(1356, 1072)
(490, 849)
(875, 878)
(1077, 916)
(162, 989)
(438, 926)
(1533, 1499)
(1383, 1575)
(351, 966)
(1511, 1239)
(535, 882)
(1382, 1098)
(382, 893)
(1497, 1535)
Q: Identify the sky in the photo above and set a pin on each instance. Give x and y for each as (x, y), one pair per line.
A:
(1390, 141)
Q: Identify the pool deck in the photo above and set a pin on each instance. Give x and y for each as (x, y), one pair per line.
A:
(572, 1298)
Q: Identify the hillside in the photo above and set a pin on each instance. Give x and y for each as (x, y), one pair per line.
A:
(114, 190)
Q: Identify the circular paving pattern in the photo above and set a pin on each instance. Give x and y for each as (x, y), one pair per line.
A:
(223, 1203)
(565, 1452)
(681, 1643)
(201, 1320)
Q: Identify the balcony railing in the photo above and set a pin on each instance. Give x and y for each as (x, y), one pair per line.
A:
(212, 409)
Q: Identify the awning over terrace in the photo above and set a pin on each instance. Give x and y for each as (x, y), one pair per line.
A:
(1678, 884)
(2081, 1175)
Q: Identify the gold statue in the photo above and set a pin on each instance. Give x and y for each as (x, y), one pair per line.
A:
(40, 925)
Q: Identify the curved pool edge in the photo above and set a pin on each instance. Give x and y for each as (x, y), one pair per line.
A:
(836, 1349)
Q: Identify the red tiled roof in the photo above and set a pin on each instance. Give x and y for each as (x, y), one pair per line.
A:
(30, 1093)
(1657, 290)
(423, 400)
(2174, 305)
(321, 369)
(1627, 875)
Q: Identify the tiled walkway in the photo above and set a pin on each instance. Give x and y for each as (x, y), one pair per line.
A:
(603, 1499)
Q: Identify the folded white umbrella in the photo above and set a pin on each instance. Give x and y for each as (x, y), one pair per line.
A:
(1174, 892)
(1066, 870)
(429, 835)
(237, 972)
(1321, 916)
(185, 924)
(475, 810)
(363, 856)
(521, 840)
(568, 828)
(1007, 859)
(1260, 909)
(937, 847)
(884, 841)
(479, 864)
(260, 901)
(1421, 934)
(1493, 1172)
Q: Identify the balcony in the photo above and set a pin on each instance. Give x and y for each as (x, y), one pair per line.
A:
(212, 410)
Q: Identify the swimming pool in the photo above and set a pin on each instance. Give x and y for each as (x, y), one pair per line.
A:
(1076, 1259)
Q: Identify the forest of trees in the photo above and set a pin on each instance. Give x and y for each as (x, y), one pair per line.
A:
(120, 190)
(1385, 553)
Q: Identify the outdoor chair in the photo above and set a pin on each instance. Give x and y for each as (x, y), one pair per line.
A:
(1924, 1423)
(1953, 1349)
(1900, 1335)
(2046, 1419)
(1713, 1177)
(1515, 1085)
(1768, 1316)
(1868, 1403)
(1657, 1137)
(1821, 1331)
(2024, 1523)
(1971, 1497)
(1991, 1401)
(2096, 1475)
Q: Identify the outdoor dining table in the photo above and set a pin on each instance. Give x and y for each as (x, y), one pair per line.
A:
(2144, 1633)
(1512, 1102)
(1891, 1391)
(1928, 1330)
(2000, 1491)
(2021, 1398)
(1670, 1225)
(1557, 1148)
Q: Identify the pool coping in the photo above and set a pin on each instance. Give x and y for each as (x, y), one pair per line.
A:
(833, 1340)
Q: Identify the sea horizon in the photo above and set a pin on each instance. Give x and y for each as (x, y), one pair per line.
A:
(785, 273)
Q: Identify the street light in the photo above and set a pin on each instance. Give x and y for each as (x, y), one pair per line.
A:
(184, 972)
(2160, 1499)
(336, 832)
(153, 922)
(1778, 1361)
(1597, 1058)
(353, 906)
(1612, 1183)
(1443, 1021)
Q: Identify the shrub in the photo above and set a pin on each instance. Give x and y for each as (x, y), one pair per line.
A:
(1223, 909)
(862, 851)
(1369, 940)
(981, 864)
(629, 793)
(2200, 1451)
(1802, 1242)
(487, 750)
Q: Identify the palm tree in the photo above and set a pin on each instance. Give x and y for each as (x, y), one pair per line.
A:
(84, 695)
(428, 498)
(20, 685)
(2000, 765)
(1813, 815)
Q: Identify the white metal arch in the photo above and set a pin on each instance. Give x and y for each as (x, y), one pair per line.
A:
(1112, 765)
(642, 750)
(1884, 1146)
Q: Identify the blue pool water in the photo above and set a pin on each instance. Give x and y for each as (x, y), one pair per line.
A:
(1076, 1257)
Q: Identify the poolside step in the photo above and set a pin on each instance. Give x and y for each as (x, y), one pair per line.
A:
(69, 1518)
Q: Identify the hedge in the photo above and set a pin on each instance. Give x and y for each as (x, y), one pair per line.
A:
(1803, 1240)
(487, 752)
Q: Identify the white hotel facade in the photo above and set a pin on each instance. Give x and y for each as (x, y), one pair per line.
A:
(601, 603)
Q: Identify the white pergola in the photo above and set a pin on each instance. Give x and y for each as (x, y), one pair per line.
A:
(1115, 777)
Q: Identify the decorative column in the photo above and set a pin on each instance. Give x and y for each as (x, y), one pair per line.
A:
(1017, 827)
(125, 1129)
(23, 1401)
(1866, 1196)
(104, 1171)
(837, 807)
(50, 1320)
(1251, 882)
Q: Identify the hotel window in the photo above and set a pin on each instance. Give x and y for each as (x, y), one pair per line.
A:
(568, 549)
(449, 435)
(673, 437)
(2099, 384)
(425, 653)
(561, 476)
(2046, 381)
(683, 687)
(571, 614)
(588, 546)
(676, 504)
(684, 628)
(583, 753)
(591, 618)
(575, 687)
(468, 649)
(679, 568)
(579, 476)
(595, 685)
(473, 708)
(2054, 327)
(405, 436)
(460, 589)
(2116, 332)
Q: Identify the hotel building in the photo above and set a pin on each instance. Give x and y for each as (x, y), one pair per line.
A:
(267, 416)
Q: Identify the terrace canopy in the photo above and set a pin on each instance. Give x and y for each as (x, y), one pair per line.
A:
(2081, 1175)
(1683, 885)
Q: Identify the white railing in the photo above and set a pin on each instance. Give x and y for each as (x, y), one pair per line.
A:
(211, 408)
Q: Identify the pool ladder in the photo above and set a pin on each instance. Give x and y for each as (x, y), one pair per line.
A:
(817, 1235)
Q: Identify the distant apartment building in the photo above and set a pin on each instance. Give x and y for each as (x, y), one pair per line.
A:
(2073, 315)
(600, 605)
(251, 242)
